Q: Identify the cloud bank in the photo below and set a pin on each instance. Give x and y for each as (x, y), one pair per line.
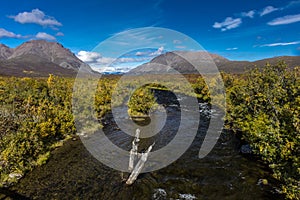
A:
(122, 64)
(36, 16)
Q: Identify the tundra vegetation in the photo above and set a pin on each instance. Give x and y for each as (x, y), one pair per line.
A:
(263, 105)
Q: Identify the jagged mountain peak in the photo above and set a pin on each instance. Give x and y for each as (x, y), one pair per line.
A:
(39, 57)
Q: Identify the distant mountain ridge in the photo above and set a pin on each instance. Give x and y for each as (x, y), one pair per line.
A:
(173, 60)
(39, 58)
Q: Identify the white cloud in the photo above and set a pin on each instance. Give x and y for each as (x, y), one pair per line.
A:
(44, 36)
(228, 23)
(88, 57)
(36, 16)
(104, 61)
(105, 69)
(280, 44)
(150, 53)
(159, 51)
(60, 34)
(268, 10)
(231, 49)
(288, 19)
(122, 64)
(96, 58)
(249, 14)
(8, 34)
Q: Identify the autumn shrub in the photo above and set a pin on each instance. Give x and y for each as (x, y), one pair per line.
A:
(265, 107)
(141, 102)
(35, 114)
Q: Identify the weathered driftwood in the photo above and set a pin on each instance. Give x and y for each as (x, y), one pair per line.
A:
(134, 150)
(139, 166)
(134, 155)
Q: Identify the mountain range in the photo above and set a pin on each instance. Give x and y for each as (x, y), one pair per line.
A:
(39, 58)
(206, 62)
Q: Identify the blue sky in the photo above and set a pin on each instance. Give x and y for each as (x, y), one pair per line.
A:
(238, 30)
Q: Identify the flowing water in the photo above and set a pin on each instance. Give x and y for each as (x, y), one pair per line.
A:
(73, 173)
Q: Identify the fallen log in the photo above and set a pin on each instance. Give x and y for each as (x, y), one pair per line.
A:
(139, 166)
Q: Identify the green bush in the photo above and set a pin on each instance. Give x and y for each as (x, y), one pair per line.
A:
(36, 114)
(141, 102)
(266, 109)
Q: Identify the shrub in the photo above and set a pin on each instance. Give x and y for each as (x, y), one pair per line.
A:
(266, 108)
